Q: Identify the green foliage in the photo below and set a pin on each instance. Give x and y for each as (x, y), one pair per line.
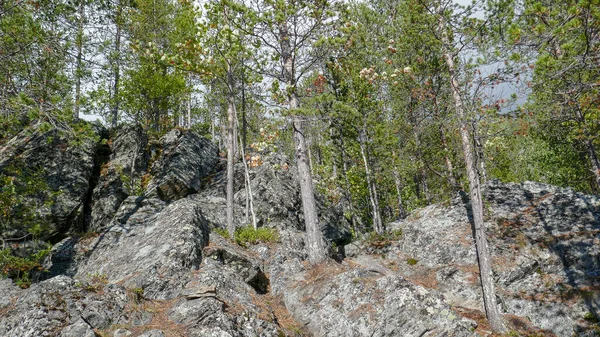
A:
(245, 236)
(411, 261)
(222, 232)
(20, 268)
(386, 239)
(23, 193)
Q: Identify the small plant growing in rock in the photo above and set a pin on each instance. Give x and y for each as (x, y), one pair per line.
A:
(386, 239)
(248, 235)
(590, 317)
(412, 261)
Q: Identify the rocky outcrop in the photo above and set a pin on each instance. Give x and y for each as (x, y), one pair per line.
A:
(353, 300)
(544, 243)
(63, 162)
(276, 198)
(152, 246)
(183, 160)
(120, 176)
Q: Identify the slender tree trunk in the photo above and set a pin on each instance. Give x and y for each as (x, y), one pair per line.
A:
(447, 160)
(315, 243)
(592, 153)
(377, 223)
(249, 197)
(244, 120)
(79, 69)
(480, 153)
(401, 210)
(117, 67)
(189, 104)
(231, 135)
(485, 269)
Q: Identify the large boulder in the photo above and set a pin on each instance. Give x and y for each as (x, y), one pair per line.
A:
(121, 176)
(182, 159)
(545, 254)
(62, 160)
(150, 246)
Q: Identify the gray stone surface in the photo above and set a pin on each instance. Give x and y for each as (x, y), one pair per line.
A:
(66, 166)
(120, 176)
(338, 300)
(184, 160)
(544, 242)
(62, 307)
(155, 252)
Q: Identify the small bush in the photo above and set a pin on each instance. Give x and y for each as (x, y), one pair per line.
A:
(20, 268)
(222, 232)
(248, 235)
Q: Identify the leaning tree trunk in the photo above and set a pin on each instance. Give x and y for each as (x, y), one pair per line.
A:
(483, 255)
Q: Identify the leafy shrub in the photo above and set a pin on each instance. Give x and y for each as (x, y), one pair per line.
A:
(248, 235)
(20, 268)
(222, 232)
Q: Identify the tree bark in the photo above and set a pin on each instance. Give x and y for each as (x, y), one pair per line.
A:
(79, 68)
(401, 210)
(117, 67)
(485, 269)
(377, 223)
(594, 162)
(315, 244)
(231, 134)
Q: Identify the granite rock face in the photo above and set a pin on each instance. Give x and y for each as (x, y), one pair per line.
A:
(184, 159)
(343, 300)
(63, 163)
(545, 247)
(120, 176)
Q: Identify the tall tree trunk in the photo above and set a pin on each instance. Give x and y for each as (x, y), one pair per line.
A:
(79, 68)
(485, 269)
(249, 197)
(189, 104)
(315, 243)
(591, 149)
(117, 66)
(377, 223)
(231, 134)
(244, 120)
